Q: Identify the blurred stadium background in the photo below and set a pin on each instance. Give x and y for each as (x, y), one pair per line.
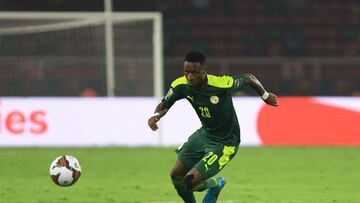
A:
(69, 72)
(297, 47)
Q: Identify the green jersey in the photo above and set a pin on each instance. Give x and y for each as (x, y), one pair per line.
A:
(213, 105)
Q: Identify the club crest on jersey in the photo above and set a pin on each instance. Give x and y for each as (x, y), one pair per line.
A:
(169, 94)
(214, 99)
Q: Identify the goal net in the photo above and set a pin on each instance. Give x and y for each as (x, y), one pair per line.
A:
(67, 54)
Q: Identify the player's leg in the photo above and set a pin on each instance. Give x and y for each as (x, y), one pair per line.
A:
(213, 192)
(199, 178)
(177, 177)
(196, 181)
(188, 155)
(217, 156)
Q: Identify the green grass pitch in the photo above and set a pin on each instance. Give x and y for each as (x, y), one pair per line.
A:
(136, 175)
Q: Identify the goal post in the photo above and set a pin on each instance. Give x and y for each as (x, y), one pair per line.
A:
(119, 53)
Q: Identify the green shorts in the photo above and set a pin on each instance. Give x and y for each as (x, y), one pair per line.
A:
(206, 155)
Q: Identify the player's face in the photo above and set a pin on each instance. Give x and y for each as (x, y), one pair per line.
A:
(195, 73)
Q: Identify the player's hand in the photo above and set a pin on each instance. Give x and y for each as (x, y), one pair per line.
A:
(272, 99)
(152, 122)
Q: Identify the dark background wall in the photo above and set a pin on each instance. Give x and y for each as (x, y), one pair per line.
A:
(229, 30)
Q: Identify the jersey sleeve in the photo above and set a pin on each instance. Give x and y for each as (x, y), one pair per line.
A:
(239, 81)
(172, 96)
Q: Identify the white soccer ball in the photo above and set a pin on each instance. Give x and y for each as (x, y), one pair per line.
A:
(65, 170)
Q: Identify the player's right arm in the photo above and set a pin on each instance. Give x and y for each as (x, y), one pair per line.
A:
(175, 93)
(160, 111)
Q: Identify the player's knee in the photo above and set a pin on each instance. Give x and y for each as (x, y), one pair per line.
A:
(189, 181)
(175, 175)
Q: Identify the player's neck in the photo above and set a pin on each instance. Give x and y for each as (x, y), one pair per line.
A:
(203, 85)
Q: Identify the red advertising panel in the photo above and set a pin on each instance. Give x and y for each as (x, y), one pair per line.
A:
(310, 121)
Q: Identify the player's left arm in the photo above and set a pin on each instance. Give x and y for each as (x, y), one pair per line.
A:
(253, 82)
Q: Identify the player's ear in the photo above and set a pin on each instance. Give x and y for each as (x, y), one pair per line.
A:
(204, 73)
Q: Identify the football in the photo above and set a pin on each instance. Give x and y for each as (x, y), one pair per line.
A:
(65, 170)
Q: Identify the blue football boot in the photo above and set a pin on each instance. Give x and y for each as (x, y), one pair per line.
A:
(213, 193)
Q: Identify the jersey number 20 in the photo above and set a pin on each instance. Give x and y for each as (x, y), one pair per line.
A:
(205, 112)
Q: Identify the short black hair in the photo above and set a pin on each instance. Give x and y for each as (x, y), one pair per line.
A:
(196, 57)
